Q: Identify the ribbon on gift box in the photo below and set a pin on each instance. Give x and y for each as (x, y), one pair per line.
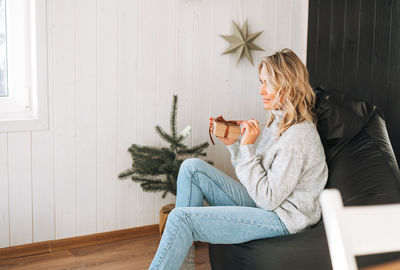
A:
(222, 120)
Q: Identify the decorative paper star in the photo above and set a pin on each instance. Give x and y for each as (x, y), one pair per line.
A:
(240, 43)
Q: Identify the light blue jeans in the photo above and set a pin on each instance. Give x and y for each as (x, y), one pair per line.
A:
(231, 218)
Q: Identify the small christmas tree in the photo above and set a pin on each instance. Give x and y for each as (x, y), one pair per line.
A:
(156, 169)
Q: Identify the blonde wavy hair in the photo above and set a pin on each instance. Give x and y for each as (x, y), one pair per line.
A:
(288, 75)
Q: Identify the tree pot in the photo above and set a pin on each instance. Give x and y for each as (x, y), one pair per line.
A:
(165, 210)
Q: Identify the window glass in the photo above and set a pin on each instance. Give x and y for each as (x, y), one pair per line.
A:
(3, 50)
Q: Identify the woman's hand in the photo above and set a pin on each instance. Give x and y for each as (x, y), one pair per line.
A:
(226, 141)
(252, 129)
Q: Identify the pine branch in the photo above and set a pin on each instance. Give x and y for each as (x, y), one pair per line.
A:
(172, 180)
(179, 163)
(155, 186)
(173, 116)
(160, 131)
(150, 152)
(125, 174)
(145, 150)
(164, 134)
(195, 150)
(184, 133)
(169, 167)
(170, 139)
(156, 164)
(201, 146)
(180, 138)
(148, 165)
(138, 178)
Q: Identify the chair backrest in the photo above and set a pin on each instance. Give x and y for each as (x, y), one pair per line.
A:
(358, 230)
(361, 161)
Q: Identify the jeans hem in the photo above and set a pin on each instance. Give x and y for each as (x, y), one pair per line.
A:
(170, 243)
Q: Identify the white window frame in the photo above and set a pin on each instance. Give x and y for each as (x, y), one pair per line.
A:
(34, 115)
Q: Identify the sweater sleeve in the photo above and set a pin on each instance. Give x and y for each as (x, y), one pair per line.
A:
(234, 149)
(269, 187)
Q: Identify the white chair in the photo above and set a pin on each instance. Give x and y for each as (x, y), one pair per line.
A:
(358, 230)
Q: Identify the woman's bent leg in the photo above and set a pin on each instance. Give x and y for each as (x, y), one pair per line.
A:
(198, 180)
(219, 224)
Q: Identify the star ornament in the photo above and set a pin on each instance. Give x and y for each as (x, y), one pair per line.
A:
(240, 43)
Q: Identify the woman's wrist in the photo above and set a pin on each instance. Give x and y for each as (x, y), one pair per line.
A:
(226, 141)
(233, 145)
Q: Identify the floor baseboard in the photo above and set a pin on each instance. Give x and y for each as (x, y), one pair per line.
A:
(75, 242)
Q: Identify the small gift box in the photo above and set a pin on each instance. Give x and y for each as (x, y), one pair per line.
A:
(226, 129)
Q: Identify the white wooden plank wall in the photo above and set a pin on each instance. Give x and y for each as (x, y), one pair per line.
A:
(113, 68)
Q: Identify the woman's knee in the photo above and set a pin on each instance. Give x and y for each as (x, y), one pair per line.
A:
(188, 168)
(191, 164)
(178, 215)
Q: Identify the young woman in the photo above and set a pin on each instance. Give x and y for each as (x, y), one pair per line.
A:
(281, 170)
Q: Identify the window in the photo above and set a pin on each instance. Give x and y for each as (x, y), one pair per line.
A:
(23, 65)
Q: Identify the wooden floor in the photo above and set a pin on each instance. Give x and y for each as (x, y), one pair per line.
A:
(126, 254)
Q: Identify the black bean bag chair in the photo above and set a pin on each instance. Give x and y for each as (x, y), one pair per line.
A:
(361, 165)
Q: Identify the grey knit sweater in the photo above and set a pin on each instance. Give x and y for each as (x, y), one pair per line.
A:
(285, 175)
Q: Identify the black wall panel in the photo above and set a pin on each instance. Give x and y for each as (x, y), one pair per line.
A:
(354, 46)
